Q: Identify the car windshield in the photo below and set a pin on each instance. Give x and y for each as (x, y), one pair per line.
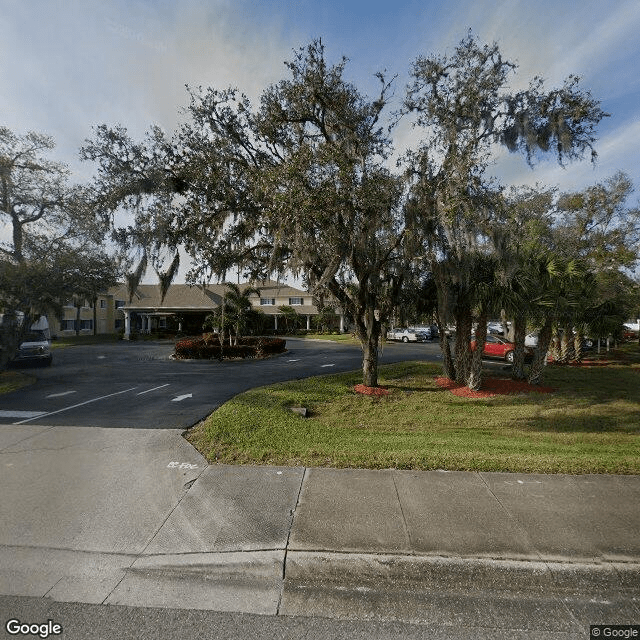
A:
(35, 336)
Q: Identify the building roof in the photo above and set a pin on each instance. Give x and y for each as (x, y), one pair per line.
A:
(179, 297)
(184, 297)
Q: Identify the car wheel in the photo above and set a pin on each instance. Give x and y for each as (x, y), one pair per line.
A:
(405, 339)
(509, 357)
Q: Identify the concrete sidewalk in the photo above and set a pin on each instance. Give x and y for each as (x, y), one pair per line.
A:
(137, 517)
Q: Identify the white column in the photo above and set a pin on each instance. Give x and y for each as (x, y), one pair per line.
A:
(308, 322)
(341, 323)
(127, 324)
(275, 320)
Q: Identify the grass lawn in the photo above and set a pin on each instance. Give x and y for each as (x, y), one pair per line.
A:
(590, 424)
(13, 380)
(333, 337)
(70, 341)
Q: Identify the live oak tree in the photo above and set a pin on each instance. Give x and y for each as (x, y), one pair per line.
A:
(464, 105)
(298, 184)
(52, 234)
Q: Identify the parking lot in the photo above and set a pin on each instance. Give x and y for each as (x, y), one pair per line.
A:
(136, 384)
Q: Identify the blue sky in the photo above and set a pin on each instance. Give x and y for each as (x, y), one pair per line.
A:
(69, 65)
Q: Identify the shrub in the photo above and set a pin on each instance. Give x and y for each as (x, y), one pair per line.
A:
(208, 347)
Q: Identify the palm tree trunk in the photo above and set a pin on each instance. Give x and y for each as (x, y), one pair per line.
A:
(565, 344)
(449, 368)
(536, 373)
(474, 381)
(519, 331)
(577, 346)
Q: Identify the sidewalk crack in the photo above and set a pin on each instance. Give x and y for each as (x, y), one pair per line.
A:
(404, 519)
(286, 545)
(146, 546)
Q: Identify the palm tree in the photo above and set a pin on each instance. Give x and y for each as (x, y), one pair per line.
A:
(237, 304)
(558, 282)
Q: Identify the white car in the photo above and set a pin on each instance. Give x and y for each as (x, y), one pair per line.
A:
(36, 345)
(407, 335)
(531, 340)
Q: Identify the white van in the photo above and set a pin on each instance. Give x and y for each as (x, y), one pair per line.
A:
(36, 345)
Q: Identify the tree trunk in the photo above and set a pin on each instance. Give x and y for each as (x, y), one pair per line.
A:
(368, 329)
(95, 315)
(555, 344)
(565, 345)
(463, 348)
(370, 362)
(474, 381)
(577, 346)
(519, 333)
(449, 368)
(536, 373)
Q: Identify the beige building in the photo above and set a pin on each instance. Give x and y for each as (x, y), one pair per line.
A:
(82, 316)
(185, 307)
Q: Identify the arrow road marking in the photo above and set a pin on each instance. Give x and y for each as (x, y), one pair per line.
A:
(59, 395)
(181, 398)
(154, 389)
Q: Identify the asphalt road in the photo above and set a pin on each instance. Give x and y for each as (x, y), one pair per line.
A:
(137, 385)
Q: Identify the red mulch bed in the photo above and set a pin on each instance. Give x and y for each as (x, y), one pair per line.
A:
(371, 391)
(492, 387)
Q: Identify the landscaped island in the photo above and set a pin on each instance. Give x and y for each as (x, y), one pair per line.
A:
(209, 347)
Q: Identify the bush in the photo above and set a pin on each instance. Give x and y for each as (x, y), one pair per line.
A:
(207, 347)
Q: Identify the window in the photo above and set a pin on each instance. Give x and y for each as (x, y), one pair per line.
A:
(68, 325)
(103, 304)
(162, 323)
(267, 301)
(119, 303)
(296, 301)
(86, 324)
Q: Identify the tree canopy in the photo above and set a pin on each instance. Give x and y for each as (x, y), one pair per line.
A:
(303, 183)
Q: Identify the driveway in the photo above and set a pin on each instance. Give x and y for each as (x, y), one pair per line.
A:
(137, 385)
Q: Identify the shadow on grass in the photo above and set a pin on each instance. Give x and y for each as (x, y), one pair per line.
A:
(622, 421)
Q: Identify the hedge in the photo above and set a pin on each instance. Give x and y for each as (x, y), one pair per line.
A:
(207, 347)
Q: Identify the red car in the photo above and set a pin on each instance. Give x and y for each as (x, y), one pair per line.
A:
(497, 347)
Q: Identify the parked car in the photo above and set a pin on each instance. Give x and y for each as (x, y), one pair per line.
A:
(430, 330)
(407, 335)
(531, 340)
(36, 345)
(497, 347)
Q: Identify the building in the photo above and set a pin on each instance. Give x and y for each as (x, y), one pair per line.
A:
(183, 309)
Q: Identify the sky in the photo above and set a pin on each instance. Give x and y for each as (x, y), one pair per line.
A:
(69, 65)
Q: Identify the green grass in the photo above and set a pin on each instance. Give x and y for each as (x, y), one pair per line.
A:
(71, 341)
(333, 337)
(13, 380)
(589, 425)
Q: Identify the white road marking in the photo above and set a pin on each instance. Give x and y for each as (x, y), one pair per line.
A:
(181, 398)
(181, 465)
(59, 395)
(154, 389)
(21, 414)
(117, 393)
(101, 357)
(297, 360)
(327, 365)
